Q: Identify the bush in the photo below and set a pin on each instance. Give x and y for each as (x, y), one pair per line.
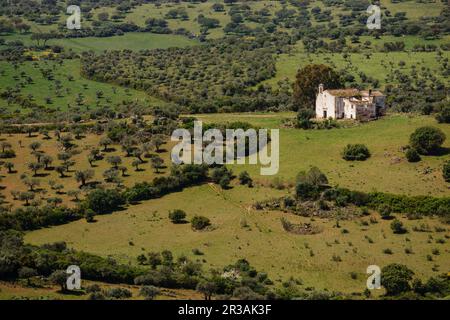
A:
(397, 227)
(149, 292)
(313, 176)
(446, 171)
(306, 191)
(412, 155)
(93, 288)
(444, 115)
(224, 182)
(396, 278)
(118, 293)
(200, 222)
(104, 201)
(304, 117)
(245, 179)
(355, 152)
(427, 140)
(385, 211)
(177, 216)
(96, 296)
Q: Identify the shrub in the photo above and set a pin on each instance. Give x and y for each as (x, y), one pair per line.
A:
(397, 227)
(149, 292)
(245, 179)
(118, 293)
(197, 252)
(89, 215)
(355, 152)
(26, 273)
(385, 211)
(200, 222)
(104, 201)
(412, 155)
(387, 251)
(96, 296)
(427, 140)
(306, 191)
(219, 173)
(444, 115)
(313, 176)
(446, 171)
(224, 182)
(304, 117)
(396, 278)
(177, 216)
(93, 288)
(435, 251)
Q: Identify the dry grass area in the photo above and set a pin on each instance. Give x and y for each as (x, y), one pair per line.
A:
(20, 144)
(12, 291)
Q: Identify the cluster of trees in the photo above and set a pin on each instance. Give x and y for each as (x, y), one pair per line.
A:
(428, 141)
(161, 269)
(137, 139)
(399, 282)
(178, 216)
(313, 185)
(240, 280)
(215, 76)
(100, 201)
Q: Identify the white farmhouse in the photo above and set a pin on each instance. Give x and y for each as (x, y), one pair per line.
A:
(349, 104)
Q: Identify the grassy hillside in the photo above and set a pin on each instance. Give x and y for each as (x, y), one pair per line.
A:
(131, 41)
(71, 85)
(377, 65)
(14, 291)
(241, 232)
(387, 170)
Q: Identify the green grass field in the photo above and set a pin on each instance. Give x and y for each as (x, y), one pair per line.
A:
(238, 230)
(387, 170)
(131, 40)
(414, 10)
(146, 227)
(377, 66)
(41, 88)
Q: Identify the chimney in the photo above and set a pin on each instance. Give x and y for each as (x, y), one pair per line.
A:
(321, 88)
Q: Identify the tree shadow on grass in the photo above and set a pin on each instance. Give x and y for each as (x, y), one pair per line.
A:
(441, 152)
(90, 185)
(41, 175)
(67, 292)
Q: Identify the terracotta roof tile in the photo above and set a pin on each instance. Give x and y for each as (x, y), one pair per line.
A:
(343, 92)
(352, 92)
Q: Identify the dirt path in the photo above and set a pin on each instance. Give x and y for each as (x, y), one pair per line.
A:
(220, 193)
